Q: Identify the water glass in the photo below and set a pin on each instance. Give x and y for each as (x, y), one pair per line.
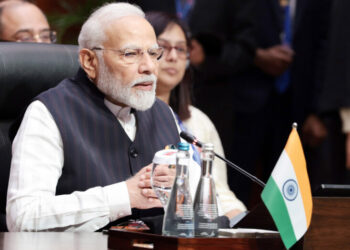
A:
(163, 174)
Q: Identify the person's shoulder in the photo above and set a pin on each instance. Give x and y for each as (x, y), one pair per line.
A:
(199, 115)
(64, 84)
(199, 120)
(67, 84)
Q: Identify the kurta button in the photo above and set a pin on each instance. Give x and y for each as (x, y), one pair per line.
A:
(133, 153)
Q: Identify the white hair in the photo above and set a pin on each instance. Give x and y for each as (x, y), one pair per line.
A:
(92, 33)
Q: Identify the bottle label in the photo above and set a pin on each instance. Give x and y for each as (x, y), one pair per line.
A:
(202, 225)
(208, 211)
(185, 226)
(184, 211)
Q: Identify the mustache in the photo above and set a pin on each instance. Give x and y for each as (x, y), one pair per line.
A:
(148, 78)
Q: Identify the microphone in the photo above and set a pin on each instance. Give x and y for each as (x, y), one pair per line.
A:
(193, 140)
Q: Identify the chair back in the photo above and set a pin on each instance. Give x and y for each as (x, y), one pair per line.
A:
(26, 69)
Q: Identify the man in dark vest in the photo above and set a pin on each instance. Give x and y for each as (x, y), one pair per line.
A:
(81, 157)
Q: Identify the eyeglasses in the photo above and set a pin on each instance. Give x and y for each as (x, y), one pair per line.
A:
(45, 36)
(130, 56)
(181, 48)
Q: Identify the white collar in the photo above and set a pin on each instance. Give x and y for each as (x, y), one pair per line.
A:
(122, 113)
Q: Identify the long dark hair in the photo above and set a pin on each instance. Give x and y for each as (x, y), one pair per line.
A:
(180, 96)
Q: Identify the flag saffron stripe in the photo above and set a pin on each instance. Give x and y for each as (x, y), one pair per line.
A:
(296, 155)
(274, 201)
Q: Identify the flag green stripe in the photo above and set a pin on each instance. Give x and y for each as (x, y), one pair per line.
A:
(274, 201)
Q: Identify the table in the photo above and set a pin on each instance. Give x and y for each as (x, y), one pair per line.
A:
(329, 230)
(120, 240)
(53, 241)
(92, 241)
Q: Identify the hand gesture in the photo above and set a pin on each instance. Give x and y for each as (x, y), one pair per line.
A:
(274, 60)
(140, 192)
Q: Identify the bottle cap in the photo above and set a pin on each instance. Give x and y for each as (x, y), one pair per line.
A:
(165, 156)
(208, 146)
(183, 146)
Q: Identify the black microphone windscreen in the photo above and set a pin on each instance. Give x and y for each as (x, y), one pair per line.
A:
(190, 138)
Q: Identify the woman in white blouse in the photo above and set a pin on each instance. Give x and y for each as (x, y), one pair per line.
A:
(173, 87)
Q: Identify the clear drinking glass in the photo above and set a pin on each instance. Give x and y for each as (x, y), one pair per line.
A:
(163, 174)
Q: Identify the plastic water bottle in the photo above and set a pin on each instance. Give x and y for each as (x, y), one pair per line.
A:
(178, 218)
(205, 203)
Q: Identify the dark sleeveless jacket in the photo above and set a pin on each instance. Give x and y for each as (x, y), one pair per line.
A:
(97, 151)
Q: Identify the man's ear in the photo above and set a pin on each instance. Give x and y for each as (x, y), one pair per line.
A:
(89, 63)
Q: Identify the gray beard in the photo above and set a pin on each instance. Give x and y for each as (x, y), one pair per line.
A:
(114, 89)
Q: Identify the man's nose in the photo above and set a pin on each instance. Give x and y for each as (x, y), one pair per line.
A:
(147, 65)
(38, 39)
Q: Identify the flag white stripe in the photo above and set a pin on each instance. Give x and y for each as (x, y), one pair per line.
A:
(282, 172)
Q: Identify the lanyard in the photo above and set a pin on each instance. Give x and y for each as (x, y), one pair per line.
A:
(196, 155)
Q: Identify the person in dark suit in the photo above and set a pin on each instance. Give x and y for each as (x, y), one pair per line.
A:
(223, 45)
(264, 114)
(334, 102)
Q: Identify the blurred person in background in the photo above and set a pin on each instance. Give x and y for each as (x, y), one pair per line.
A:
(335, 98)
(22, 21)
(281, 87)
(174, 87)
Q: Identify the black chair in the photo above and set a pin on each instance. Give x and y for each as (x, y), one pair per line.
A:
(26, 69)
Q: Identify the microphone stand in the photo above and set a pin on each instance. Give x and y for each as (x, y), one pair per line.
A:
(193, 140)
(241, 170)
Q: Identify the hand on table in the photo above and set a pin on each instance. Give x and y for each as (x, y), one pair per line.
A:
(141, 193)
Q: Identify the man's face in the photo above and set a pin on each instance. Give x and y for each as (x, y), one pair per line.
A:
(128, 82)
(24, 22)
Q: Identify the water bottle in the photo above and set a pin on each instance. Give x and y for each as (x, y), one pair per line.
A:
(205, 203)
(178, 218)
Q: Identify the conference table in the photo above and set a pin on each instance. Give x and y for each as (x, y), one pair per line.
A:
(329, 230)
(53, 241)
(126, 240)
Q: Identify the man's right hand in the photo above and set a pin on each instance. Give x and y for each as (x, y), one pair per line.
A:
(274, 60)
(313, 131)
(142, 195)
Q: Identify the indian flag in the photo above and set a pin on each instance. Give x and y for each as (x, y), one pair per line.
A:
(287, 194)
